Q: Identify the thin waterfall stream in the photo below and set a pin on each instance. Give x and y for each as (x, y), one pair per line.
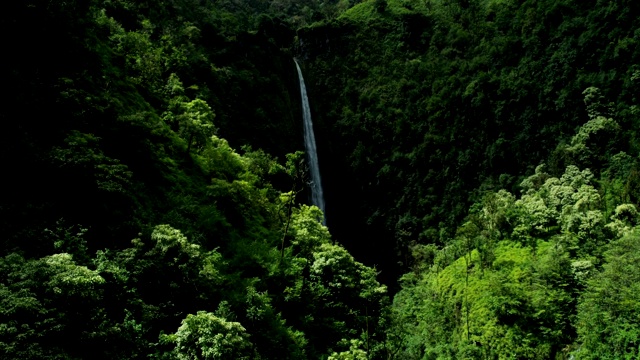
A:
(317, 197)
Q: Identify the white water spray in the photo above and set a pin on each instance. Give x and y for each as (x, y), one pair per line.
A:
(317, 198)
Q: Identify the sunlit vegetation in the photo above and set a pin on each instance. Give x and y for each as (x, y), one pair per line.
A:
(480, 159)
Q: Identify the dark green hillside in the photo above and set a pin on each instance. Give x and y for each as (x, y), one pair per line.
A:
(148, 208)
(424, 106)
(480, 158)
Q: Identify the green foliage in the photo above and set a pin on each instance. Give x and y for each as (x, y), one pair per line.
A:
(623, 220)
(569, 204)
(594, 101)
(69, 240)
(507, 285)
(430, 117)
(69, 278)
(171, 242)
(518, 307)
(307, 231)
(590, 146)
(83, 155)
(607, 320)
(432, 103)
(50, 301)
(206, 336)
(333, 295)
(136, 112)
(354, 353)
(194, 118)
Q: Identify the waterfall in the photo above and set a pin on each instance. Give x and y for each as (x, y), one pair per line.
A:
(317, 197)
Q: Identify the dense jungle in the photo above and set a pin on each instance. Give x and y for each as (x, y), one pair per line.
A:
(480, 162)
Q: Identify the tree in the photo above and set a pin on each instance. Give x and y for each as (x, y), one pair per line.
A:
(354, 353)
(197, 122)
(207, 336)
(191, 119)
(608, 320)
(347, 298)
(50, 308)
